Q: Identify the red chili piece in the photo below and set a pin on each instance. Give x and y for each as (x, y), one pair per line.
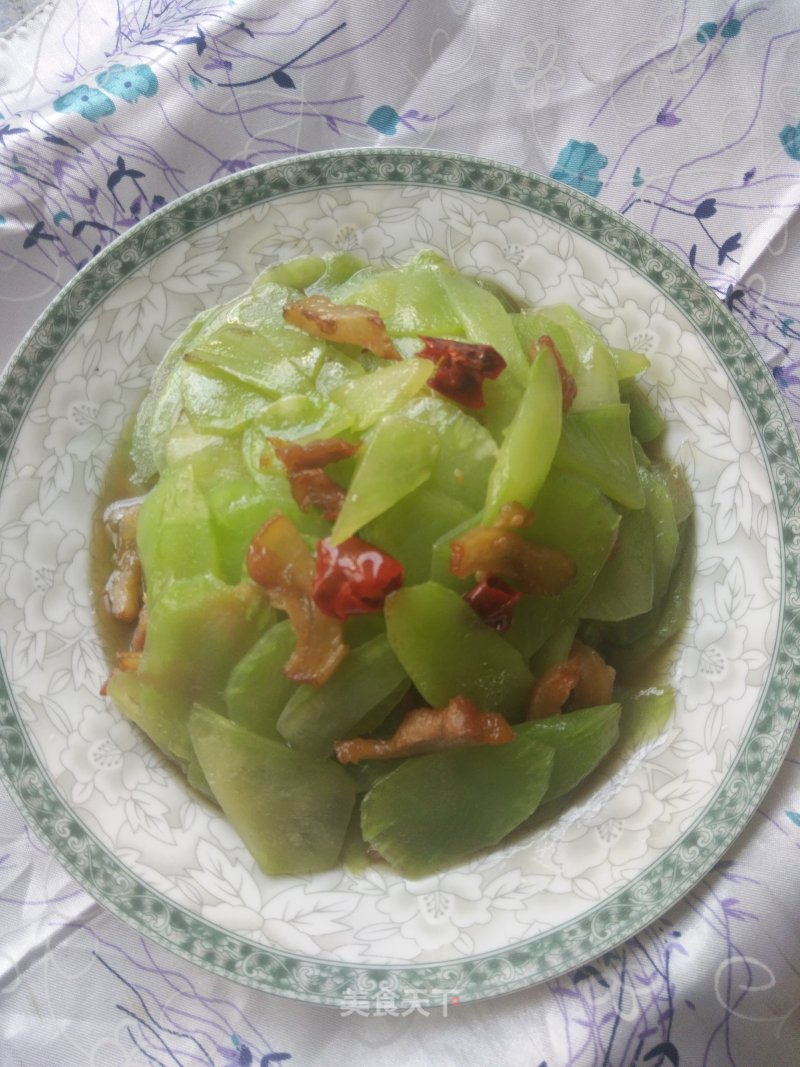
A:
(461, 369)
(353, 578)
(494, 600)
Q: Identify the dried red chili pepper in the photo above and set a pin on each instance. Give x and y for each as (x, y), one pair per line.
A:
(494, 601)
(353, 578)
(461, 368)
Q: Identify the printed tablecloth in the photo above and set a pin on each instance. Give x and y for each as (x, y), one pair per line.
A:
(686, 118)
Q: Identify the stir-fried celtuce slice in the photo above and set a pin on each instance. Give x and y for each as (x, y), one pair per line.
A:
(569, 387)
(310, 484)
(123, 589)
(280, 560)
(348, 324)
(430, 730)
(585, 680)
(499, 549)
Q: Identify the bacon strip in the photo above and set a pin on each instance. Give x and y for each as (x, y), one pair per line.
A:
(461, 368)
(431, 730)
(596, 683)
(312, 454)
(279, 559)
(585, 680)
(498, 549)
(349, 324)
(310, 484)
(553, 689)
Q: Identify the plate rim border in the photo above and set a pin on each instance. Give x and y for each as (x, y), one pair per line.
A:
(375, 980)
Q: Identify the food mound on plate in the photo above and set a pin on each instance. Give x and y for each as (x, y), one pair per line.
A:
(395, 536)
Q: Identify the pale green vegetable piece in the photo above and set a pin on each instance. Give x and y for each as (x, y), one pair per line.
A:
(315, 717)
(161, 408)
(299, 417)
(628, 362)
(579, 739)
(174, 532)
(526, 453)
(598, 445)
(437, 809)
(411, 299)
(584, 352)
(645, 713)
(290, 809)
(658, 502)
(372, 396)
(398, 456)
(486, 322)
(467, 451)
(409, 530)
(588, 542)
(447, 651)
(218, 404)
(624, 587)
(257, 689)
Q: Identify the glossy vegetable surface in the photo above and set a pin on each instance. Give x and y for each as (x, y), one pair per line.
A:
(378, 508)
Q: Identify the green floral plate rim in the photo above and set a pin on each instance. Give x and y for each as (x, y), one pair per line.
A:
(655, 889)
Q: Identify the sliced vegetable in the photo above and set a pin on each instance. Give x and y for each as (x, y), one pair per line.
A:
(447, 651)
(257, 689)
(314, 718)
(579, 741)
(398, 456)
(291, 810)
(597, 445)
(530, 442)
(434, 810)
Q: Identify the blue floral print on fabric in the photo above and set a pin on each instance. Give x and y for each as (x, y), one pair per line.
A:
(579, 164)
(384, 119)
(129, 83)
(86, 101)
(790, 139)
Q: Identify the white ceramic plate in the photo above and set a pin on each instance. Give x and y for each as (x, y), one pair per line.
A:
(118, 816)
